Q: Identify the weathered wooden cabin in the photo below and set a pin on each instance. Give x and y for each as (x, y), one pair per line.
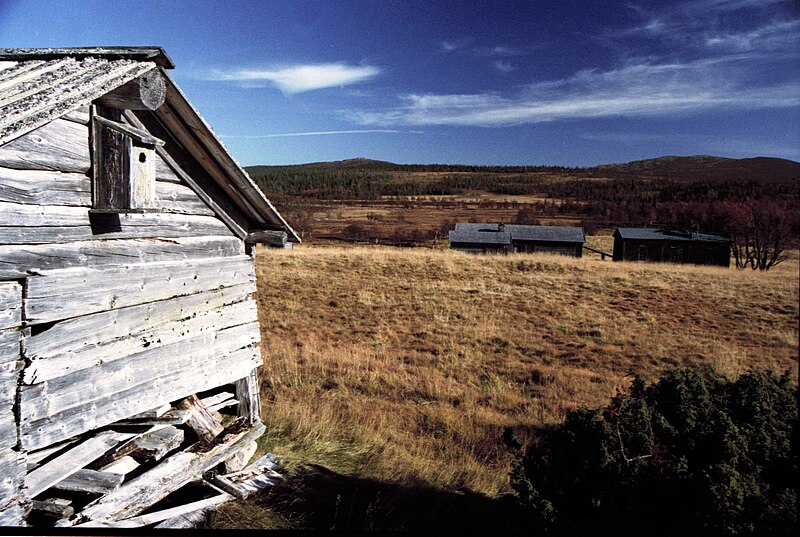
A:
(507, 238)
(670, 246)
(129, 338)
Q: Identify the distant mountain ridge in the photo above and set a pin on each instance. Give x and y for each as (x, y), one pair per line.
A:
(707, 167)
(699, 167)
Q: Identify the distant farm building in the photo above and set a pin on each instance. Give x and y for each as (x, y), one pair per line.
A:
(646, 244)
(508, 238)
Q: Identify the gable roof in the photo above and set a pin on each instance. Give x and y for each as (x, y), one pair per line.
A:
(475, 236)
(525, 233)
(652, 234)
(40, 85)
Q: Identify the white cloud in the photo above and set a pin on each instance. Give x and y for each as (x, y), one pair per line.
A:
(503, 67)
(635, 90)
(300, 78)
(450, 45)
(320, 133)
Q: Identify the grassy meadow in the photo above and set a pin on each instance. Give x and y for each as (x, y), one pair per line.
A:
(405, 366)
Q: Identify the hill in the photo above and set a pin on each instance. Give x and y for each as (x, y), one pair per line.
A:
(697, 167)
(709, 168)
(405, 366)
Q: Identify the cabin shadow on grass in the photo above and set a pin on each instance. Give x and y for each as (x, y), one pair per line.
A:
(317, 498)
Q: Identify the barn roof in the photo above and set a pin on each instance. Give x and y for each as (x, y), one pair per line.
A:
(528, 233)
(475, 236)
(652, 234)
(40, 85)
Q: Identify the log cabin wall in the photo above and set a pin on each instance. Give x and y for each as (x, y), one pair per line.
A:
(104, 316)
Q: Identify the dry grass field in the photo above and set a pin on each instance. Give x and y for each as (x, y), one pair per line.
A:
(406, 366)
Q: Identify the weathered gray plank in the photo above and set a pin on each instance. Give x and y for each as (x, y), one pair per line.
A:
(54, 509)
(106, 379)
(10, 304)
(247, 393)
(53, 224)
(18, 260)
(201, 374)
(12, 472)
(179, 198)
(121, 466)
(12, 511)
(158, 516)
(145, 490)
(79, 115)
(85, 480)
(40, 187)
(68, 463)
(103, 337)
(9, 346)
(60, 145)
(58, 294)
(164, 173)
(154, 446)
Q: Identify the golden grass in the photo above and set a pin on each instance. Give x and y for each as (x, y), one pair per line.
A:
(406, 365)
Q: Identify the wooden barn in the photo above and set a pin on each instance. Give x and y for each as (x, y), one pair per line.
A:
(507, 238)
(129, 338)
(663, 245)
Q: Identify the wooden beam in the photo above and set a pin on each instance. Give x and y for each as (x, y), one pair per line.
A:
(147, 92)
(206, 426)
(137, 134)
(267, 236)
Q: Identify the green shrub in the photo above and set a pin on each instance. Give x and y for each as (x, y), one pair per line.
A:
(692, 452)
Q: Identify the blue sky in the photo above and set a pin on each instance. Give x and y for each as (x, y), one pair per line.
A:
(529, 82)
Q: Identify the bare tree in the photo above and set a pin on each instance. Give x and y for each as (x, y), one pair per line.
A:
(760, 231)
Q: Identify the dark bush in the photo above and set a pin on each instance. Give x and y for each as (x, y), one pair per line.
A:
(692, 452)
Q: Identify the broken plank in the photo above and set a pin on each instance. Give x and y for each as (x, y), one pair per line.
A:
(91, 481)
(206, 426)
(154, 446)
(172, 417)
(172, 473)
(158, 516)
(153, 413)
(122, 466)
(82, 291)
(68, 463)
(52, 508)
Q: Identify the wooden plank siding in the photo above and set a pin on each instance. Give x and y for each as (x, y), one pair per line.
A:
(12, 461)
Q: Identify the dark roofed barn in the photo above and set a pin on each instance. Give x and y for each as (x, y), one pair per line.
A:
(505, 238)
(661, 245)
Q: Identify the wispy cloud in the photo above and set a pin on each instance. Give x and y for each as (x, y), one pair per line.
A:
(503, 67)
(451, 45)
(635, 90)
(497, 51)
(319, 133)
(300, 78)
